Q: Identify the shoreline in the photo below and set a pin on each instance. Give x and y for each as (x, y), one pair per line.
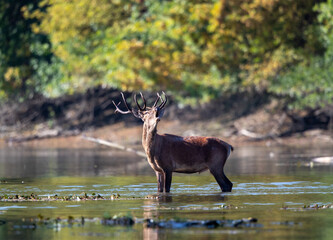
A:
(129, 135)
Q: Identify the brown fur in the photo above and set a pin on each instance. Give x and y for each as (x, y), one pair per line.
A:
(169, 153)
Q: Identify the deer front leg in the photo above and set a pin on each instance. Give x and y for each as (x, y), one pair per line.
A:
(160, 181)
(168, 178)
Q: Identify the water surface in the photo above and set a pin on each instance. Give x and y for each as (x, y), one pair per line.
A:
(270, 184)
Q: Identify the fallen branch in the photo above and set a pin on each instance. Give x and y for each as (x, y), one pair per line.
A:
(323, 160)
(256, 136)
(114, 145)
(271, 135)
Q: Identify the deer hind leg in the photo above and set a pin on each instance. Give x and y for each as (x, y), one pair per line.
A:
(160, 181)
(224, 183)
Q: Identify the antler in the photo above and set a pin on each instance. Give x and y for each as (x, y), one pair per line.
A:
(163, 101)
(141, 109)
(161, 106)
(129, 110)
(144, 102)
(157, 99)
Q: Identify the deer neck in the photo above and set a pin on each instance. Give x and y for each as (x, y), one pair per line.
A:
(149, 139)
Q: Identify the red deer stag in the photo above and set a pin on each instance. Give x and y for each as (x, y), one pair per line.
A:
(168, 153)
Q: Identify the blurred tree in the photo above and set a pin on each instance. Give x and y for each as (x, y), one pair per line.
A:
(308, 84)
(201, 49)
(77, 28)
(23, 53)
(207, 48)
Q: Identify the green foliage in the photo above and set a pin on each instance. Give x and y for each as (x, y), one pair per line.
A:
(25, 56)
(198, 49)
(195, 48)
(309, 84)
(77, 29)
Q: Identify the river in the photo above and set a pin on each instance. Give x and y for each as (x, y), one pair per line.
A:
(280, 187)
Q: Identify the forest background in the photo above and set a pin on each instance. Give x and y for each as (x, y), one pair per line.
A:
(198, 51)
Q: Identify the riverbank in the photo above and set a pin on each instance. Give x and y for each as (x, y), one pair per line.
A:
(130, 135)
(241, 119)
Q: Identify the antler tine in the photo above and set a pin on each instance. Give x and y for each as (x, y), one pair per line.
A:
(124, 99)
(156, 101)
(119, 110)
(144, 102)
(163, 101)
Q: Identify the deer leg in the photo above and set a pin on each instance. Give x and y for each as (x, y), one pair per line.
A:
(168, 178)
(160, 181)
(224, 183)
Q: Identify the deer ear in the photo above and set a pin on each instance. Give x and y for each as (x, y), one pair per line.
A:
(160, 113)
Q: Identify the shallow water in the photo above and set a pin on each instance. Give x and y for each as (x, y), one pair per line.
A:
(270, 184)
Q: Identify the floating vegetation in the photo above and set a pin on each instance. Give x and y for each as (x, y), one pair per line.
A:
(56, 224)
(118, 220)
(127, 221)
(70, 221)
(309, 207)
(178, 224)
(114, 196)
(33, 197)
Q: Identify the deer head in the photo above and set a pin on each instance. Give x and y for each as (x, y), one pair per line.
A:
(149, 115)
